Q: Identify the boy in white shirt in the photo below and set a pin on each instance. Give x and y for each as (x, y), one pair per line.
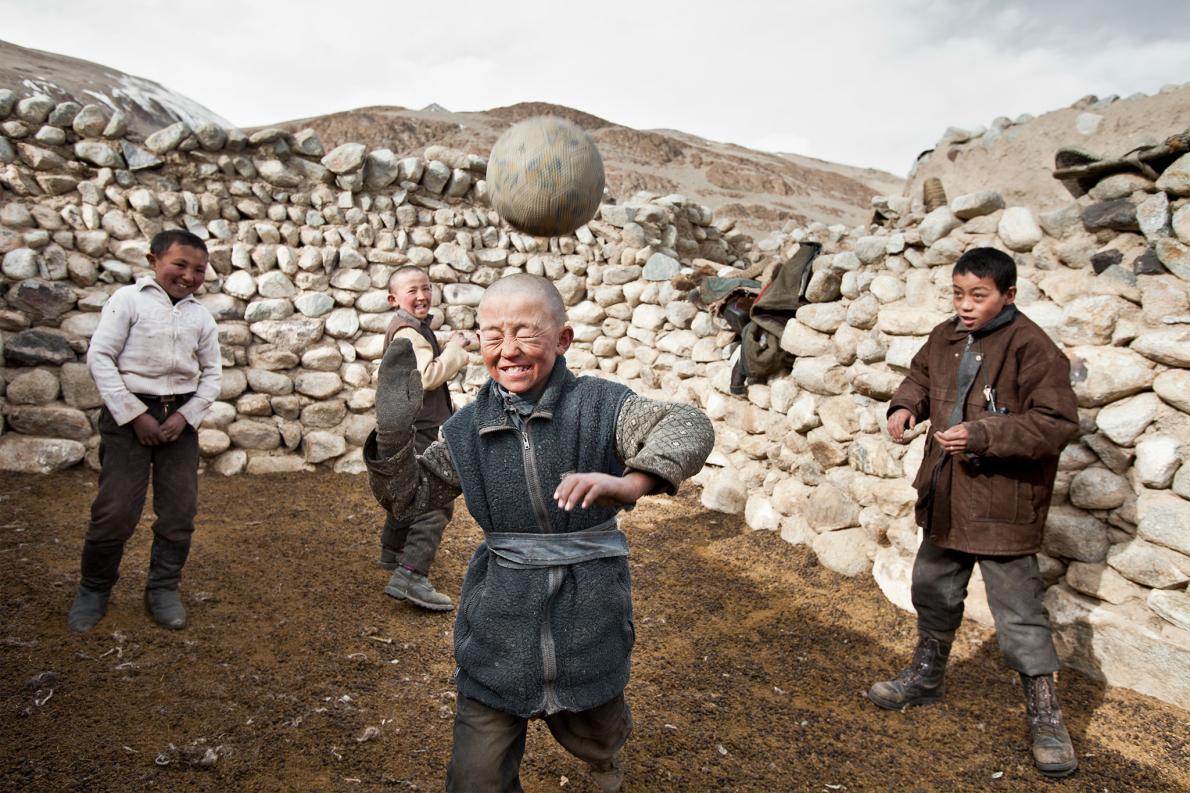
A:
(155, 359)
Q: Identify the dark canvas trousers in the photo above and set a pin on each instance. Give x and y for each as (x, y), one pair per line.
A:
(416, 541)
(488, 743)
(125, 466)
(1014, 589)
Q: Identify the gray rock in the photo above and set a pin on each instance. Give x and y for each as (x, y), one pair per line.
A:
(35, 387)
(306, 141)
(1117, 215)
(20, 264)
(381, 168)
(1088, 123)
(293, 334)
(1153, 218)
(1073, 534)
(248, 434)
(1170, 347)
(117, 125)
(1124, 421)
(78, 388)
(314, 304)
(1164, 519)
(660, 267)
(1102, 582)
(319, 446)
(98, 153)
(1173, 607)
(35, 109)
(1102, 375)
(139, 159)
(1173, 386)
(459, 184)
(435, 177)
(342, 323)
(263, 381)
(972, 205)
(1096, 488)
(29, 455)
(211, 137)
(1175, 179)
(42, 300)
(345, 159)
(166, 139)
(318, 385)
(268, 309)
(1148, 564)
(8, 101)
(50, 421)
(277, 174)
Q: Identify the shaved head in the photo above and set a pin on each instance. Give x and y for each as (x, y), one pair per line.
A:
(528, 287)
(401, 273)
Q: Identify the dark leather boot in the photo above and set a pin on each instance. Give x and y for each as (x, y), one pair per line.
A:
(1053, 753)
(161, 590)
(920, 683)
(99, 569)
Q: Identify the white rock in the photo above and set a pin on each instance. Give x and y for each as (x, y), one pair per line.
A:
(1124, 421)
(1148, 564)
(314, 304)
(320, 445)
(275, 284)
(970, 205)
(31, 455)
(1173, 607)
(1157, 460)
(1111, 374)
(1164, 519)
(725, 492)
(462, 294)
(759, 513)
(937, 224)
(845, 551)
(1018, 229)
(319, 385)
(1102, 582)
(240, 284)
(1170, 347)
(342, 323)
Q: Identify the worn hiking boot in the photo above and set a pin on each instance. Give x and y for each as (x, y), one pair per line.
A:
(405, 584)
(611, 779)
(920, 683)
(165, 607)
(389, 559)
(87, 610)
(1053, 753)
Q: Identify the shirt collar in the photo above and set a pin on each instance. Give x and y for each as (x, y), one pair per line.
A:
(151, 283)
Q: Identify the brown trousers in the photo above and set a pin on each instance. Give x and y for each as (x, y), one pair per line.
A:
(489, 744)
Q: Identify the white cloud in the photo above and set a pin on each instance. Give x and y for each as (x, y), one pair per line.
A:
(858, 81)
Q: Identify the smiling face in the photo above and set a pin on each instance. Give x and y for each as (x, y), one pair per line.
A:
(977, 300)
(180, 270)
(411, 291)
(520, 339)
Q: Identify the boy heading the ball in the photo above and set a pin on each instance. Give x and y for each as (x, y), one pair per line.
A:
(545, 461)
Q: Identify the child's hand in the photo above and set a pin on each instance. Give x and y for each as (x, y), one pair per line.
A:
(604, 490)
(459, 338)
(897, 423)
(953, 440)
(172, 427)
(147, 430)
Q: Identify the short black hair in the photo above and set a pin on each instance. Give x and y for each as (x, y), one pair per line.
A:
(988, 263)
(163, 240)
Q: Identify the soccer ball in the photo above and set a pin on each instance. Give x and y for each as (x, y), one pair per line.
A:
(545, 176)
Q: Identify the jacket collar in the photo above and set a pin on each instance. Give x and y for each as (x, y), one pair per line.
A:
(956, 331)
(489, 408)
(412, 320)
(148, 282)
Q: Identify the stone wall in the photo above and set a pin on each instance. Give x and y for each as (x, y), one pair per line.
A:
(302, 244)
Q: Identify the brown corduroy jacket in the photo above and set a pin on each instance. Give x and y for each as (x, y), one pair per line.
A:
(994, 498)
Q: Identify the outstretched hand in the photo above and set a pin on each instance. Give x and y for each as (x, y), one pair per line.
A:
(898, 421)
(398, 392)
(603, 490)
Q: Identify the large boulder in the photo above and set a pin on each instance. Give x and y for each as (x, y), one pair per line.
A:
(29, 455)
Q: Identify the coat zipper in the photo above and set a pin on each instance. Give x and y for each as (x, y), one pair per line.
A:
(549, 656)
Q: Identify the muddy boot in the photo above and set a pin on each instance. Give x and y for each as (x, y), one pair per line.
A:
(161, 590)
(100, 567)
(610, 779)
(417, 589)
(1053, 753)
(920, 683)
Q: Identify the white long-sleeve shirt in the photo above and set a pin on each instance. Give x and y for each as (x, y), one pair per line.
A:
(147, 344)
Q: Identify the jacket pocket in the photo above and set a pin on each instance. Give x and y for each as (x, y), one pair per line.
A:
(997, 493)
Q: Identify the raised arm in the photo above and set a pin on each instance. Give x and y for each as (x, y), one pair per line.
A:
(669, 440)
(404, 483)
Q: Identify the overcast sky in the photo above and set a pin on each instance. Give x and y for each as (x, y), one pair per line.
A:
(862, 82)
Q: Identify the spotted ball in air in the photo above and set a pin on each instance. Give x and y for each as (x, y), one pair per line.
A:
(545, 176)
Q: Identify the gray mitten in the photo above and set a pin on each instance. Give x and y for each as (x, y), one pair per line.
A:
(398, 396)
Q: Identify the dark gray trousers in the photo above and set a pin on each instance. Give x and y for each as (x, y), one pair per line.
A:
(415, 542)
(489, 743)
(125, 466)
(1014, 589)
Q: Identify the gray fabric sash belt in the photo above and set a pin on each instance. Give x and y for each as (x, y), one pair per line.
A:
(522, 551)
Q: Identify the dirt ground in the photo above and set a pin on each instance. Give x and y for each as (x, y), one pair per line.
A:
(299, 675)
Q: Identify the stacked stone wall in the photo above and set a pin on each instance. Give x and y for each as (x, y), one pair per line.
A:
(303, 242)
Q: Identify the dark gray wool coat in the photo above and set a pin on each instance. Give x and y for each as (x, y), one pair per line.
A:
(542, 640)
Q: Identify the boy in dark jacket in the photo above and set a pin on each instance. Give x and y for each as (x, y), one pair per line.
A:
(997, 393)
(544, 461)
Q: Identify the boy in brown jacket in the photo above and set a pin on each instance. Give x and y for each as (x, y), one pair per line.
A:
(997, 393)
